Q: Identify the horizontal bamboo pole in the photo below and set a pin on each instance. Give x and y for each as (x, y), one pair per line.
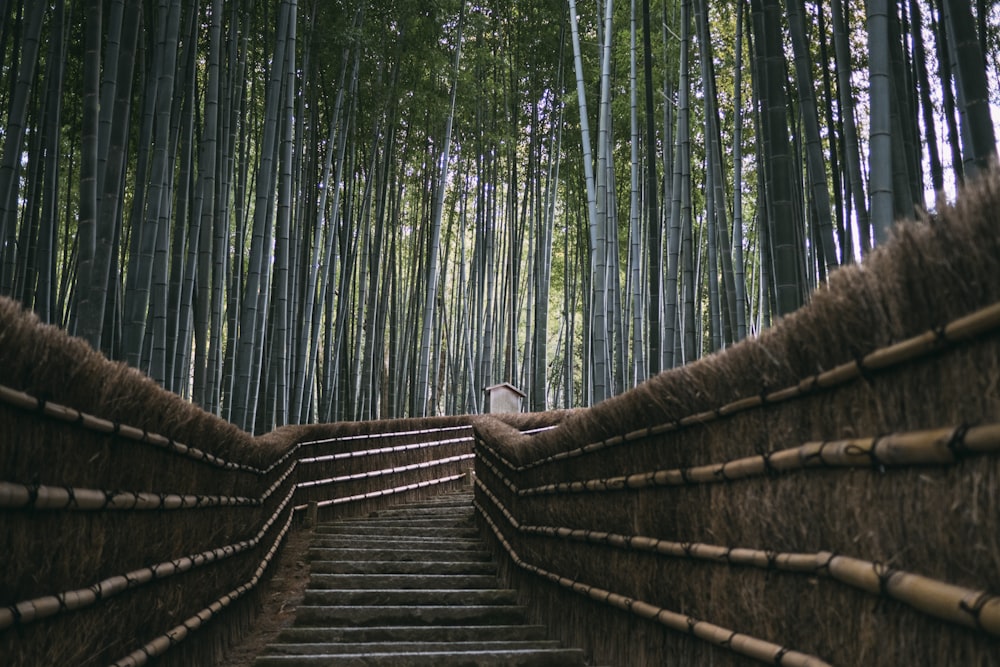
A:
(960, 330)
(940, 446)
(383, 492)
(44, 497)
(384, 450)
(36, 609)
(29, 403)
(972, 608)
(387, 471)
(956, 604)
(377, 436)
(39, 497)
(752, 647)
(179, 633)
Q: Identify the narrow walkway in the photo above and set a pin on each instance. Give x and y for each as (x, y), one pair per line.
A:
(412, 586)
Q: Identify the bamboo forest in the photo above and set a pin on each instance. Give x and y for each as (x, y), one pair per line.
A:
(317, 210)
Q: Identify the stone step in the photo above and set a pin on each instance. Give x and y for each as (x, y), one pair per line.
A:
(508, 658)
(467, 532)
(409, 581)
(412, 586)
(411, 633)
(377, 615)
(401, 567)
(424, 596)
(450, 520)
(398, 554)
(464, 509)
(335, 648)
(396, 542)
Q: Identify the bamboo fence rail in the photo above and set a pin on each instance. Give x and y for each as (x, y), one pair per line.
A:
(752, 647)
(359, 453)
(978, 609)
(941, 446)
(29, 611)
(42, 497)
(381, 493)
(19, 399)
(179, 633)
(35, 497)
(387, 434)
(963, 329)
(386, 471)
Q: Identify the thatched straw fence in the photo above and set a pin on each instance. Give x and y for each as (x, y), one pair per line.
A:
(137, 528)
(828, 493)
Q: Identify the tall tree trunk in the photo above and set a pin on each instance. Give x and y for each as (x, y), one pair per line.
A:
(254, 308)
(783, 218)
(14, 140)
(880, 156)
(45, 291)
(815, 164)
(90, 277)
(145, 237)
(654, 237)
(978, 138)
(638, 367)
(423, 369)
(926, 105)
(739, 278)
(680, 192)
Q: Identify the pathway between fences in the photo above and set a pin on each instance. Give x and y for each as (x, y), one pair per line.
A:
(410, 586)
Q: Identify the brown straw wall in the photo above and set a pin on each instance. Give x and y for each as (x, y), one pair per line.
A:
(936, 520)
(75, 427)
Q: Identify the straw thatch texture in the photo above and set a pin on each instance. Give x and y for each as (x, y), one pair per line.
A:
(934, 520)
(131, 518)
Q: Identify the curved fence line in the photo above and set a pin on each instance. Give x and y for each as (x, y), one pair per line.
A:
(961, 330)
(390, 434)
(174, 636)
(40, 497)
(18, 496)
(753, 647)
(978, 609)
(384, 450)
(43, 497)
(540, 429)
(932, 446)
(383, 492)
(29, 403)
(387, 471)
(36, 609)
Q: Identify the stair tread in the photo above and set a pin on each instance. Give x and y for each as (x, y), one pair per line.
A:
(510, 658)
(408, 647)
(411, 586)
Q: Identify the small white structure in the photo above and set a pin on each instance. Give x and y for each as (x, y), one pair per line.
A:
(503, 397)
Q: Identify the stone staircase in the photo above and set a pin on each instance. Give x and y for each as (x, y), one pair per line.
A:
(413, 586)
